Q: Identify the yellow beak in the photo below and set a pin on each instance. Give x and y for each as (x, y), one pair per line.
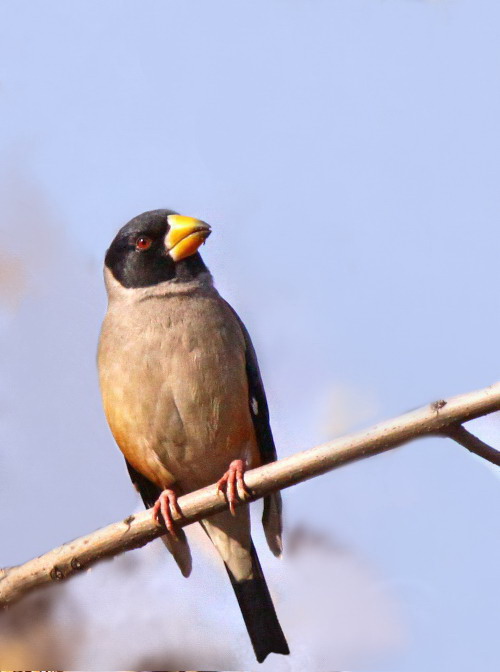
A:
(185, 236)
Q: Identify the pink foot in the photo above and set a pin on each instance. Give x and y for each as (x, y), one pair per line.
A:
(164, 505)
(232, 484)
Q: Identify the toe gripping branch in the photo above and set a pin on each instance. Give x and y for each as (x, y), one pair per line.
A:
(232, 485)
(163, 509)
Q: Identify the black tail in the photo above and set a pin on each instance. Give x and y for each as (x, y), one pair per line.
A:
(258, 612)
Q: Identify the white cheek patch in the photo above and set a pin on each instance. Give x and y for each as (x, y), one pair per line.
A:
(255, 406)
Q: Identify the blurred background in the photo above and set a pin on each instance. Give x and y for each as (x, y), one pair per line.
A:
(347, 155)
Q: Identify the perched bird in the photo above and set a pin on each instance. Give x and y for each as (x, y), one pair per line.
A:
(185, 402)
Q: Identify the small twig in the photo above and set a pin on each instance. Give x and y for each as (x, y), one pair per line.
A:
(472, 443)
(137, 530)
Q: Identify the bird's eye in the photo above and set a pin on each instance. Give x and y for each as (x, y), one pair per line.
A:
(143, 243)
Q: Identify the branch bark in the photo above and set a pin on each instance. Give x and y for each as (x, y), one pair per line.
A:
(439, 418)
(473, 444)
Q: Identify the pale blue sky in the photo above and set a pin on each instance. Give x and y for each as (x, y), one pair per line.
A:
(347, 154)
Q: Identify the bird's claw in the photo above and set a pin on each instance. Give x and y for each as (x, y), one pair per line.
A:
(232, 485)
(164, 506)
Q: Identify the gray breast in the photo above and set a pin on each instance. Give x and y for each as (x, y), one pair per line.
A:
(174, 366)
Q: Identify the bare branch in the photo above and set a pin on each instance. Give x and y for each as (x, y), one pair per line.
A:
(472, 443)
(139, 529)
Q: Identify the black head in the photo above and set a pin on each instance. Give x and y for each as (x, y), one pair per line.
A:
(157, 246)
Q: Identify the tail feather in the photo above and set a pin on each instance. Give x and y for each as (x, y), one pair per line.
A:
(258, 612)
(180, 550)
(271, 520)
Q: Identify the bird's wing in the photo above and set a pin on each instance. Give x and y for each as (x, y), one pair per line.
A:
(259, 411)
(150, 492)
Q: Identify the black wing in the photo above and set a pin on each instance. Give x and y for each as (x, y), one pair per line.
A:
(259, 411)
(257, 401)
(147, 490)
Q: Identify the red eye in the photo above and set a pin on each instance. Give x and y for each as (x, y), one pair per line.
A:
(143, 243)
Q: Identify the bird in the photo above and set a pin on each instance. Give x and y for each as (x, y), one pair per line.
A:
(183, 396)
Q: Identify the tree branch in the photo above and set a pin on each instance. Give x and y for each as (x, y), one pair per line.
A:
(440, 417)
(472, 443)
